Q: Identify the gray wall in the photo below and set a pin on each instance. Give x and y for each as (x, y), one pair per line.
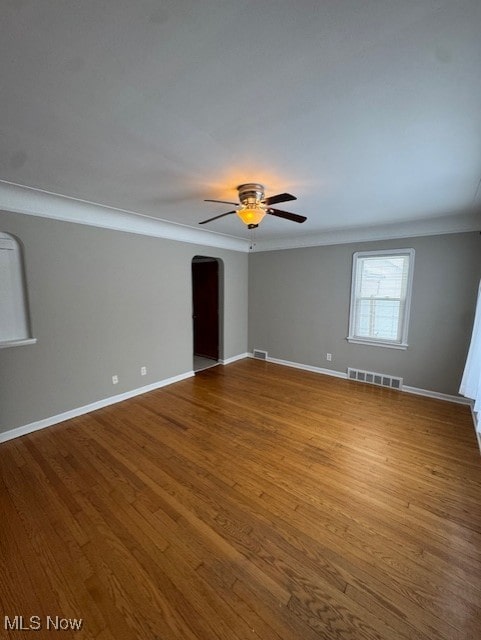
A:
(101, 303)
(299, 309)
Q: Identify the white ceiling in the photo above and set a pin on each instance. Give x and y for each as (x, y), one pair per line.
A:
(369, 111)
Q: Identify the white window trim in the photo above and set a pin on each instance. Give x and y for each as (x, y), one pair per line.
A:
(403, 343)
(17, 343)
(17, 331)
(378, 343)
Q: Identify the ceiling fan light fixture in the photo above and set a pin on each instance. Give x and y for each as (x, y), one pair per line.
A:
(254, 206)
(251, 214)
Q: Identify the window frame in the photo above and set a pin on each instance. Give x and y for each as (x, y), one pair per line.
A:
(393, 344)
(14, 301)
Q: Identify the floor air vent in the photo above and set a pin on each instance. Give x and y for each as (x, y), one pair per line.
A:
(374, 378)
(259, 354)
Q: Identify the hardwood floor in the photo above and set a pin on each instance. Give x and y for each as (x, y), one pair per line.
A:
(252, 501)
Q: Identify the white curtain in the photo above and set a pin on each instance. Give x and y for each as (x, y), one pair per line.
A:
(471, 382)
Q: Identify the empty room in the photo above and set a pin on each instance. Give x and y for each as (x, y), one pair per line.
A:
(240, 320)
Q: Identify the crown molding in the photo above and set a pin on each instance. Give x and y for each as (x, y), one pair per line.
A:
(456, 223)
(36, 202)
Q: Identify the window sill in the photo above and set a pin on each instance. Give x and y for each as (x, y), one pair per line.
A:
(17, 343)
(374, 343)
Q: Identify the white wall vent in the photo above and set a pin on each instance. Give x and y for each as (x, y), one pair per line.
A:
(374, 378)
(259, 354)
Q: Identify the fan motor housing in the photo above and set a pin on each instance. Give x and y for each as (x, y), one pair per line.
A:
(250, 192)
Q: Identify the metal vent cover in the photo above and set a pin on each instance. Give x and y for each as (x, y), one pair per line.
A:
(371, 377)
(259, 354)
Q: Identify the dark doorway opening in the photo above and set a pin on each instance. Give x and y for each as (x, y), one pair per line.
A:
(206, 316)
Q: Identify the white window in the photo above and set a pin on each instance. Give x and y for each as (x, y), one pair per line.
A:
(380, 297)
(14, 324)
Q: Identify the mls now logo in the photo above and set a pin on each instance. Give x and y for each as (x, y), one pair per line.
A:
(34, 623)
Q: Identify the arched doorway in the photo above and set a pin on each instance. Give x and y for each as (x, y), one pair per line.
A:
(206, 316)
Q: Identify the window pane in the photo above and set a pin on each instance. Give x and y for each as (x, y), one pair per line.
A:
(379, 319)
(383, 277)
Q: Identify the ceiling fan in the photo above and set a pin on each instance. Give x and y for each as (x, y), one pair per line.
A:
(253, 206)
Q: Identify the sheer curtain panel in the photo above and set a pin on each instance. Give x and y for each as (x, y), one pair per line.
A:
(471, 382)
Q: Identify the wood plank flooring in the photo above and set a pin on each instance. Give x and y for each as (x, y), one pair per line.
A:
(253, 501)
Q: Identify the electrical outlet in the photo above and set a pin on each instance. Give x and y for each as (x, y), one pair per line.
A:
(329, 356)
(143, 371)
(115, 379)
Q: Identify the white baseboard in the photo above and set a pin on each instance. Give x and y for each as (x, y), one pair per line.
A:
(414, 390)
(436, 395)
(241, 356)
(99, 404)
(73, 413)
(306, 367)
(339, 374)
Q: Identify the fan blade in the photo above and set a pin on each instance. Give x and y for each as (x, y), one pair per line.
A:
(236, 204)
(216, 217)
(281, 197)
(287, 215)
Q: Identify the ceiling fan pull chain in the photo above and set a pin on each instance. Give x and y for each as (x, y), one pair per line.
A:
(252, 234)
